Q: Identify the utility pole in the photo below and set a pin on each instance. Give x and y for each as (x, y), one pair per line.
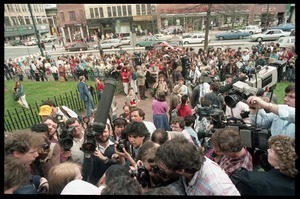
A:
(36, 32)
(267, 16)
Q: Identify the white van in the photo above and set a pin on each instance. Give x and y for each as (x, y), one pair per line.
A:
(252, 29)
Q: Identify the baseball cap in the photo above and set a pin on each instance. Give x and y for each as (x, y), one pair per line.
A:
(45, 110)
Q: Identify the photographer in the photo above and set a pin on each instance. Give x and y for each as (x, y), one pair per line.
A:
(152, 176)
(200, 90)
(136, 133)
(24, 145)
(278, 181)
(49, 154)
(281, 119)
(75, 133)
(215, 97)
(96, 163)
(230, 153)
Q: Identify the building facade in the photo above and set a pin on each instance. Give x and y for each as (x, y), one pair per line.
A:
(18, 21)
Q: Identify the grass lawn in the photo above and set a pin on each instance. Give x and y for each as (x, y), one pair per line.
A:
(38, 91)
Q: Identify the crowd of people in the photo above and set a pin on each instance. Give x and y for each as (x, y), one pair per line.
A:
(132, 156)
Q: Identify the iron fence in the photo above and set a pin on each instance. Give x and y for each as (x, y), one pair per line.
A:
(15, 119)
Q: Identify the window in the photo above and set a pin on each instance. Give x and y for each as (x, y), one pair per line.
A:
(24, 8)
(62, 16)
(119, 11)
(124, 11)
(72, 15)
(148, 9)
(138, 10)
(109, 11)
(114, 11)
(92, 13)
(143, 9)
(17, 8)
(96, 13)
(27, 20)
(101, 12)
(6, 21)
(14, 20)
(129, 10)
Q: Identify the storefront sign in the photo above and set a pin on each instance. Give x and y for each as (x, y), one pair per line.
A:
(142, 18)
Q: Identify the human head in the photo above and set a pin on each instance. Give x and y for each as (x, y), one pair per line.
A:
(61, 174)
(123, 185)
(159, 136)
(126, 109)
(184, 99)
(161, 96)
(136, 133)
(189, 120)
(190, 161)
(177, 124)
(290, 95)
(282, 154)
(105, 135)
(180, 80)
(226, 141)
(119, 126)
(52, 126)
(228, 78)
(82, 78)
(23, 145)
(177, 89)
(73, 122)
(137, 114)
(14, 174)
(215, 86)
(45, 110)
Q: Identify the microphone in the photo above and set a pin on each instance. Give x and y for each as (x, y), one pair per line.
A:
(229, 86)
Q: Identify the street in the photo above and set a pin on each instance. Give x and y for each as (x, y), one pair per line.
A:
(14, 52)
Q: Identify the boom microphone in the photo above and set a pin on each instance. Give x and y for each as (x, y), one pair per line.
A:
(104, 106)
(229, 86)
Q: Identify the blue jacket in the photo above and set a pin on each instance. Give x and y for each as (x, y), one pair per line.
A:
(84, 91)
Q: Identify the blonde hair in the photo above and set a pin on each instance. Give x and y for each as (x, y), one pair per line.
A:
(60, 175)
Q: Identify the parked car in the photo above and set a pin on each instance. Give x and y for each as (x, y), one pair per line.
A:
(48, 39)
(164, 46)
(287, 42)
(148, 42)
(31, 42)
(76, 46)
(16, 42)
(110, 43)
(163, 36)
(125, 40)
(272, 34)
(195, 39)
(232, 34)
(252, 29)
(285, 26)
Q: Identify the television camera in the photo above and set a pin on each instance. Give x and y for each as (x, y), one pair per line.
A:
(93, 131)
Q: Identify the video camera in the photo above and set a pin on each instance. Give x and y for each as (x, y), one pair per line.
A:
(123, 143)
(93, 131)
(66, 138)
(239, 92)
(90, 142)
(142, 176)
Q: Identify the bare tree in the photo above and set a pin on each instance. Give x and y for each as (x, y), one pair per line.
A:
(207, 26)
